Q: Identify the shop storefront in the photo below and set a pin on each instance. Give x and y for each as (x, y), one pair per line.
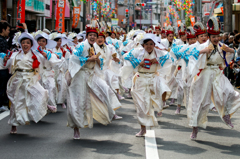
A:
(236, 12)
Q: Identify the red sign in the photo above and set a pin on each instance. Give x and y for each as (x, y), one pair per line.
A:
(192, 19)
(60, 16)
(21, 11)
(165, 25)
(222, 10)
(76, 16)
(179, 23)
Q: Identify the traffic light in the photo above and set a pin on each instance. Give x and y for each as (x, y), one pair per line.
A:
(140, 4)
(126, 13)
(122, 21)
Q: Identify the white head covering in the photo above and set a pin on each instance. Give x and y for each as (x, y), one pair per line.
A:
(58, 35)
(29, 36)
(71, 36)
(15, 39)
(46, 31)
(50, 43)
(154, 39)
(82, 35)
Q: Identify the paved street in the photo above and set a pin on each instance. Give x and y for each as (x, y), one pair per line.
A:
(51, 139)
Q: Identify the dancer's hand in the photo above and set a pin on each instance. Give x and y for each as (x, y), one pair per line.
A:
(6, 58)
(205, 51)
(116, 60)
(142, 64)
(153, 61)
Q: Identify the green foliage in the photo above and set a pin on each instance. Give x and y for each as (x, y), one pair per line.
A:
(187, 21)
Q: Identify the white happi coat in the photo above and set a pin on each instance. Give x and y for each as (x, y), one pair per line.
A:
(29, 99)
(89, 97)
(149, 84)
(60, 71)
(110, 67)
(211, 83)
(47, 77)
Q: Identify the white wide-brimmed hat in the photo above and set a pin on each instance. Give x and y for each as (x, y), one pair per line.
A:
(72, 35)
(46, 31)
(154, 39)
(29, 36)
(58, 35)
(81, 36)
(50, 43)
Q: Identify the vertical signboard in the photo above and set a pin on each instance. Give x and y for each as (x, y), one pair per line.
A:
(76, 16)
(60, 16)
(192, 19)
(179, 23)
(21, 11)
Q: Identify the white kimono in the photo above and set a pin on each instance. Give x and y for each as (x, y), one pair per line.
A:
(89, 97)
(60, 71)
(48, 82)
(211, 85)
(149, 84)
(110, 67)
(176, 82)
(29, 99)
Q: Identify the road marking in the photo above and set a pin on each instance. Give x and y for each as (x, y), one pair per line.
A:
(4, 114)
(151, 145)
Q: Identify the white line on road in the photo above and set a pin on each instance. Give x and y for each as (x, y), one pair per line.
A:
(4, 114)
(151, 145)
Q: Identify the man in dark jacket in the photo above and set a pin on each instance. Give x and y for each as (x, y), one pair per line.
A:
(4, 75)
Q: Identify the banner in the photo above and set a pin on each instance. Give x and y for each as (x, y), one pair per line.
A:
(60, 16)
(114, 21)
(76, 16)
(179, 23)
(192, 19)
(21, 11)
(165, 25)
(222, 10)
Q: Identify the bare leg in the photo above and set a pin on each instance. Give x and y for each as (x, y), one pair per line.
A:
(53, 109)
(178, 109)
(76, 133)
(13, 130)
(194, 133)
(142, 132)
(119, 96)
(64, 106)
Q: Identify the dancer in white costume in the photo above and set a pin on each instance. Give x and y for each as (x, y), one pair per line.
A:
(189, 59)
(192, 56)
(149, 88)
(89, 96)
(133, 43)
(182, 35)
(48, 81)
(60, 70)
(111, 65)
(176, 82)
(211, 83)
(74, 40)
(29, 99)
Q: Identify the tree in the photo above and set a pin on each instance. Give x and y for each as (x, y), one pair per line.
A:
(227, 8)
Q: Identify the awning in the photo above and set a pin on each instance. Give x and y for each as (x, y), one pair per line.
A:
(236, 7)
(217, 11)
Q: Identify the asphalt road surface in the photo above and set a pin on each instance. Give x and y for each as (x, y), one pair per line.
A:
(52, 139)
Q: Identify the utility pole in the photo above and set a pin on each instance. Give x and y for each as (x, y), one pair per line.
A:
(53, 14)
(227, 7)
(14, 12)
(128, 16)
(71, 15)
(195, 8)
(199, 9)
(133, 19)
(84, 16)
